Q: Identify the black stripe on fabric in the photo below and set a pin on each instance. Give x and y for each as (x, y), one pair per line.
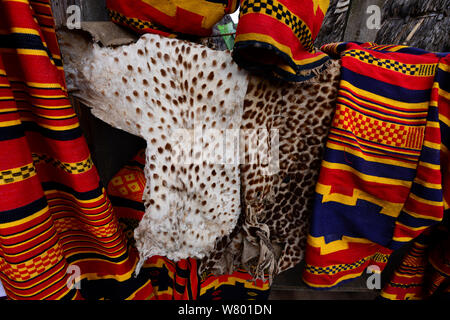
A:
(96, 256)
(189, 286)
(92, 194)
(46, 26)
(22, 212)
(122, 202)
(43, 13)
(26, 41)
(11, 132)
(9, 112)
(189, 290)
(120, 290)
(41, 2)
(23, 41)
(181, 272)
(41, 116)
(133, 163)
(65, 135)
(179, 288)
(49, 243)
(24, 92)
(43, 108)
(32, 87)
(24, 231)
(4, 100)
(58, 62)
(69, 296)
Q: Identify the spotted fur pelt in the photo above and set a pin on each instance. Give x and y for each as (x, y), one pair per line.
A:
(182, 98)
(277, 202)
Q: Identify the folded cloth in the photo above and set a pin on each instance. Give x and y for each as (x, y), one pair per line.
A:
(167, 17)
(276, 38)
(385, 174)
(424, 271)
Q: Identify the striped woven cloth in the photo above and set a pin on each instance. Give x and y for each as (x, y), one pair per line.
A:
(385, 173)
(276, 38)
(55, 217)
(424, 271)
(167, 18)
(59, 235)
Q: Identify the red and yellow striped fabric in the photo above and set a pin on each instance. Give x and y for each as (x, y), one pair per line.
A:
(385, 171)
(424, 272)
(54, 212)
(59, 235)
(276, 38)
(194, 17)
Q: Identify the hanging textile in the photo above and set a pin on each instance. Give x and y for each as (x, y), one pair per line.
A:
(385, 174)
(166, 18)
(283, 132)
(55, 217)
(424, 271)
(184, 99)
(276, 38)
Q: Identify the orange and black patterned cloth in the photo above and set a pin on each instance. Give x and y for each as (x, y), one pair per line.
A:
(276, 38)
(168, 18)
(424, 271)
(60, 235)
(385, 174)
(54, 211)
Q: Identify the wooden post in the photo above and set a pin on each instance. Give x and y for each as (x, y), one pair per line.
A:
(90, 10)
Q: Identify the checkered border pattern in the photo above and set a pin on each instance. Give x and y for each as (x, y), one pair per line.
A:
(408, 69)
(281, 13)
(134, 22)
(17, 174)
(71, 224)
(371, 129)
(334, 269)
(405, 286)
(34, 267)
(72, 168)
(380, 257)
